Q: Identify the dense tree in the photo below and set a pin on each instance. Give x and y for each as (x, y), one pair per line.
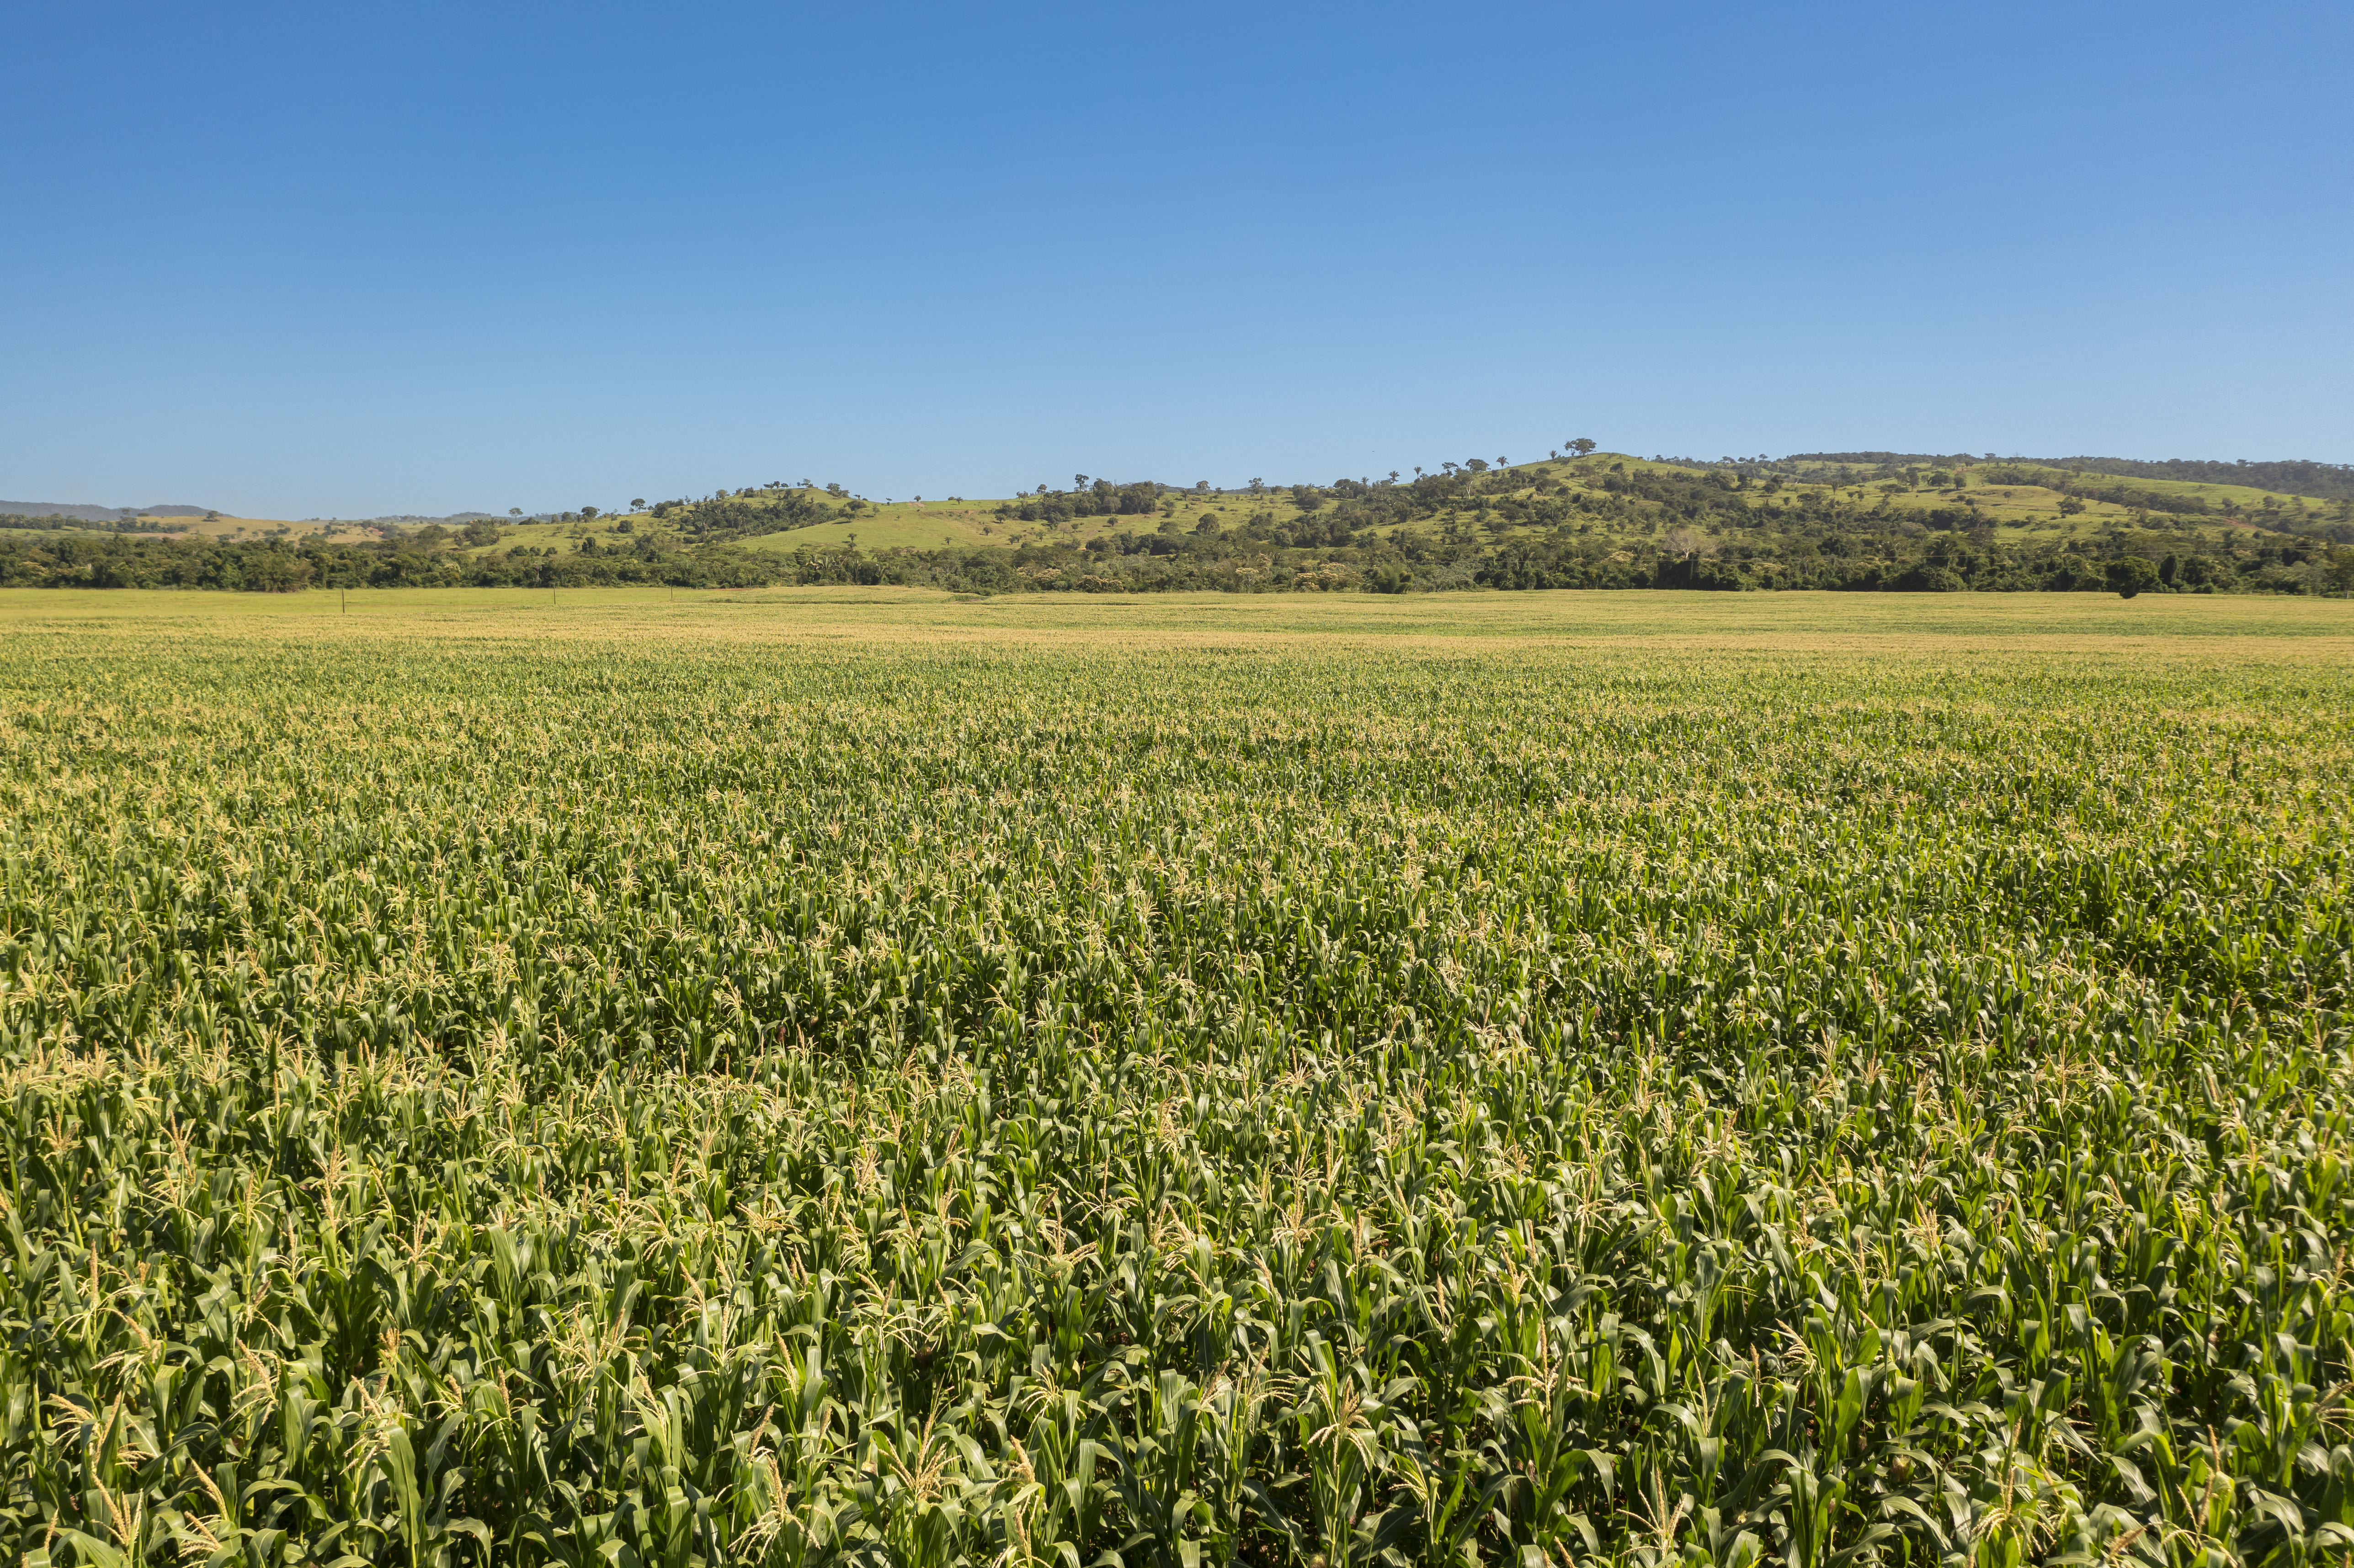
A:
(1101, 499)
(2132, 575)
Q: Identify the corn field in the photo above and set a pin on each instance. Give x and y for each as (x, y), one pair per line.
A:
(1171, 1098)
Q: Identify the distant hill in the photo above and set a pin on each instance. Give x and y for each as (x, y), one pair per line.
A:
(112, 518)
(1598, 519)
(95, 513)
(2289, 476)
(2293, 476)
(59, 509)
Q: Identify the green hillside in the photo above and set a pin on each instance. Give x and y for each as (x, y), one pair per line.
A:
(1615, 495)
(1847, 521)
(207, 526)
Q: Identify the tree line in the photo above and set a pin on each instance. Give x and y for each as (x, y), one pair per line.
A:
(1086, 498)
(751, 512)
(1319, 551)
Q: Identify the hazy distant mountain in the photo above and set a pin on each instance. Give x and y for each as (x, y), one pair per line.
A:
(94, 514)
(59, 509)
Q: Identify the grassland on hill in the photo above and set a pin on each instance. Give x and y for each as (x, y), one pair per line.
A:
(215, 525)
(1602, 521)
(225, 526)
(2329, 481)
(846, 1076)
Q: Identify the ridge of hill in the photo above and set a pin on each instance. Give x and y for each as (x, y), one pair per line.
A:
(2247, 482)
(1588, 519)
(83, 512)
(2288, 476)
(1609, 494)
(88, 513)
(1591, 520)
(2295, 476)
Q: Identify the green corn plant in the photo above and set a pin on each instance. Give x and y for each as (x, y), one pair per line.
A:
(1234, 1415)
(789, 1084)
(1055, 1502)
(1538, 1462)
(1341, 1440)
(1158, 1473)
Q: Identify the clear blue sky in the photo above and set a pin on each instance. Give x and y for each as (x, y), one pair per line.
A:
(308, 259)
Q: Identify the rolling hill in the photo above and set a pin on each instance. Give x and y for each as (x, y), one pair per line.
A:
(1842, 520)
(86, 513)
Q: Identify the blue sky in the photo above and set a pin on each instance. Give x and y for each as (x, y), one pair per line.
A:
(297, 259)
